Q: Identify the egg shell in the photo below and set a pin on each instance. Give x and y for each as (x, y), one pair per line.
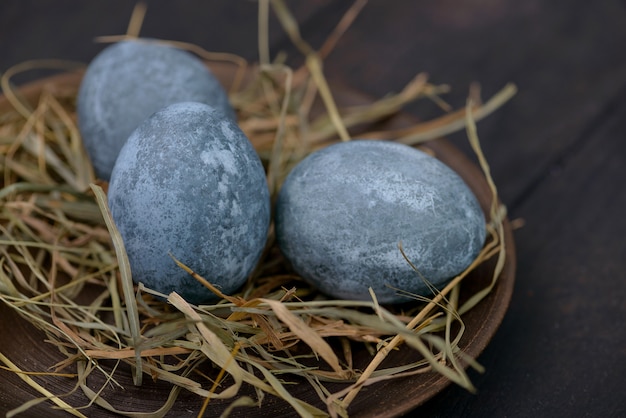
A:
(188, 182)
(130, 80)
(343, 210)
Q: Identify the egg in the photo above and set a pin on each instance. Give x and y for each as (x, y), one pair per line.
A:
(189, 184)
(130, 80)
(343, 211)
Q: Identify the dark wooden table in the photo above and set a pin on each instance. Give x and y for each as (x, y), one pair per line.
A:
(557, 152)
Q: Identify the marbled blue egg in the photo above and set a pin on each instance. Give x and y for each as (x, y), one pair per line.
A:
(188, 182)
(343, 210)
(127, 82)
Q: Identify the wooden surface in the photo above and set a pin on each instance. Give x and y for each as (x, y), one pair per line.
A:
(557, 152)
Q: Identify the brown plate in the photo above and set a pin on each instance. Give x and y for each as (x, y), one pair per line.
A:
(24, 345)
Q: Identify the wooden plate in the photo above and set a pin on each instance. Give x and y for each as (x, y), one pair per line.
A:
(24, 345)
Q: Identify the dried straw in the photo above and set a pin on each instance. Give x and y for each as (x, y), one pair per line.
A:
(57, 240)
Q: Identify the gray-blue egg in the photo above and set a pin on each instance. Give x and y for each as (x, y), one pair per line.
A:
(343, 210)
(130, 80)
(189, 183)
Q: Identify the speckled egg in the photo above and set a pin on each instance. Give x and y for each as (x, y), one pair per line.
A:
(343, 210)
(189, 183)
(130, 80)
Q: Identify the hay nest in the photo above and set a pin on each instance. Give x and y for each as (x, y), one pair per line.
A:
(63, 266)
